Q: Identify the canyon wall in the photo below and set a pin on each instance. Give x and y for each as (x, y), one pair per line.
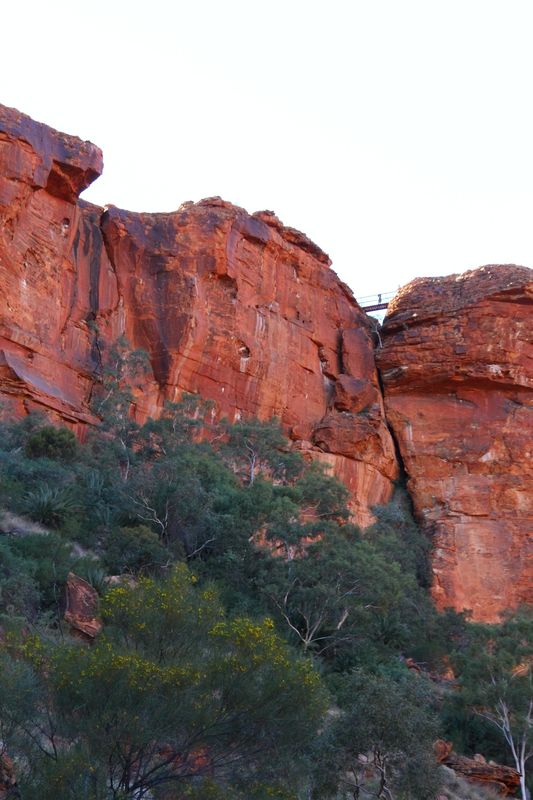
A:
(457, 367)
(248, 313)
(235, 307)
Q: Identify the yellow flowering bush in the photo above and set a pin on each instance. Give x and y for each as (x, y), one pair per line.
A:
(174, 690)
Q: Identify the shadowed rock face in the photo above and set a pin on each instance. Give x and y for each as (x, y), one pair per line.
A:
(236, 307)
(457, 367)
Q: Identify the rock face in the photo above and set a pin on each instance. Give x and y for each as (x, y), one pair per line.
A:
(52, 286)
(81, 611)
(236, 307)
(247, 313)
(504, 780)
(457, 367)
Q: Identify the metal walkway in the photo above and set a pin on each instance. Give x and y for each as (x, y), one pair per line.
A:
(375, 302)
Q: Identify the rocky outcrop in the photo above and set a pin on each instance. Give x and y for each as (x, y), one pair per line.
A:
(52, 269)
(81, 611)
(8, 781)
(457, 368)
(504, 780)
(235, 307)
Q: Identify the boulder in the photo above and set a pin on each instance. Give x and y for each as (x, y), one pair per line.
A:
(505, 780)
(81, 610)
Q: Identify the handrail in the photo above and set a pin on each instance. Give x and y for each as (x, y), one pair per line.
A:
(375, 302)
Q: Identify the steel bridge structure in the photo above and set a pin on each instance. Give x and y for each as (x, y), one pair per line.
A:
(375, 302)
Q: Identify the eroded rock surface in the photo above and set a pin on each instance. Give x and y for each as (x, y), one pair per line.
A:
(235, 307)
(457, 367)
(81, 610)
(52, 269)
(504, 780)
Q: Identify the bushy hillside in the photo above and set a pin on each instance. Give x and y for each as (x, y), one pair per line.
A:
(257, 644)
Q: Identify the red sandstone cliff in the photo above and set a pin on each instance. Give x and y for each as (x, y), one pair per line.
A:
(248, 313)
(457, 367)
(235, 307)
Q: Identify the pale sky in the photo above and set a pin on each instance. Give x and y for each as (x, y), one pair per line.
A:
(398, 134)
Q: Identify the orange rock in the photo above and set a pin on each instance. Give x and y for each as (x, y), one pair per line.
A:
(456, 364)
(52, 269)
(505, 780)
(82, 608)
(235, 307)
(442, 750)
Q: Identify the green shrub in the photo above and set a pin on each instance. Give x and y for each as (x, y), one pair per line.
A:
(388, 718)
(48, 560)
(173, 694)
(134, 549)
(50, 506)
(92, 571)
(58, 444)
(19, 594)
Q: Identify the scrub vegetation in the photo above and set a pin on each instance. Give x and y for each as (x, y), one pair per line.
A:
(257, 644)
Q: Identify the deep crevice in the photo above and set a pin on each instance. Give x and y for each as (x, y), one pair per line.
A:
(403, 476)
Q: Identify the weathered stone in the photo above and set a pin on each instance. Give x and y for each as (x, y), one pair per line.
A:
(505, 780)
(81, 611)
(457, 366)
(56, 280)
(353, 395)
(36, 156)
(357, 436)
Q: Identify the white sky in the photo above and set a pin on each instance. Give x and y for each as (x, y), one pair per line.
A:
(397, 134)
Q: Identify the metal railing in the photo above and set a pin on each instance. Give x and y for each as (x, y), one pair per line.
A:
(375, 302)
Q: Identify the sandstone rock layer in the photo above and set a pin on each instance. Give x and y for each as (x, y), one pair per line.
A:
(457, 367)
(81, 611)
(502, 779)
(236, 307)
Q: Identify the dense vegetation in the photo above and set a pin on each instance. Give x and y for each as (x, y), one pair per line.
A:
(259, 652)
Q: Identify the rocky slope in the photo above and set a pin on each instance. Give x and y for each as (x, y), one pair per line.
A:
(457, 367)
(235, 307)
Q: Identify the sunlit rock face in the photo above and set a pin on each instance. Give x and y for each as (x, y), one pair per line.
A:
(235, 307)
(48, 261)
(248, 313)
(457, 368)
